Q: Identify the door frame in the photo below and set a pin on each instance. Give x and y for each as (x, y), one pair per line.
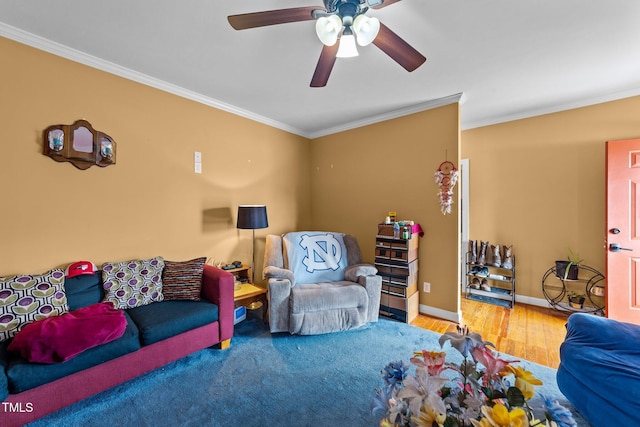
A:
(464, 220)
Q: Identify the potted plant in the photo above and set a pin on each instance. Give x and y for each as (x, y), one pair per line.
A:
(576, 300)
(568, 270)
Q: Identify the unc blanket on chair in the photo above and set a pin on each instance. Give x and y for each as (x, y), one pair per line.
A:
(316, 257)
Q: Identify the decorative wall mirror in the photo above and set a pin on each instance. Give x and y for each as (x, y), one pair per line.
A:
(79, 144)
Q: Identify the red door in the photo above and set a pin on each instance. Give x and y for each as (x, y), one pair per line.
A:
(623, 230)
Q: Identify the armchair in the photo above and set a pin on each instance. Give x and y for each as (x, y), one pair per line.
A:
(318, 284)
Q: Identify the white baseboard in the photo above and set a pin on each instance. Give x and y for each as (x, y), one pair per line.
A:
(540, 302)
(457, 317)
(439, 313)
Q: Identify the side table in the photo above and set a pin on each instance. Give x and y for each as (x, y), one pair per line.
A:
(242, 274)
(252, 297)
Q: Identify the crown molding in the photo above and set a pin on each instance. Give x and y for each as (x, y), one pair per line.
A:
(67, 52)
(533, 112)
(394, 114)
(75, 55)
(78, 56)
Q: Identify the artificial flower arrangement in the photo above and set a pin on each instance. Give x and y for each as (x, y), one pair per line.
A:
(484, 390)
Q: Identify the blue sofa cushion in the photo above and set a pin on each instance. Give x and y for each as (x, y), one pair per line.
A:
(84, 290)
(24, 375)
(4, 361)
(161, 320)
(598, 371)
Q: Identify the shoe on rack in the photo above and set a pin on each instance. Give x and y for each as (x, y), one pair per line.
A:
(483, 272)
(484, 285)
(496, 260)
(473, 251)
(475, 269)
(507, 260)
(475, 283)
(482, 256)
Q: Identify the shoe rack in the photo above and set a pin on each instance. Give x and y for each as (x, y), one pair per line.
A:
(491, 283)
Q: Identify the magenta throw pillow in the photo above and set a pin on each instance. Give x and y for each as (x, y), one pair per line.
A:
(59, 338)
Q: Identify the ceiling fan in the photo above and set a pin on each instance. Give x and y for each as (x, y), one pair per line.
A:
(336, 25)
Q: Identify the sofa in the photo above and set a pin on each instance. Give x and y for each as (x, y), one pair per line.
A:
(599, 369)
(151, 335)
(318, 284)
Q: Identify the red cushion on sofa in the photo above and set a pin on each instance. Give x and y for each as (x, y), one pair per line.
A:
(59, 338)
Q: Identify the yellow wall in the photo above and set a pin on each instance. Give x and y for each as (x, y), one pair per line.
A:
(151, 202)
(539, 184)
(360, 175)
(536, 183)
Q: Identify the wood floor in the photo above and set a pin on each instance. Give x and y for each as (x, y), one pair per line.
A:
(526, 331)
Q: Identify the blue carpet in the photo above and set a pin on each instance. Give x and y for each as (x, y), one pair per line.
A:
(265, 380)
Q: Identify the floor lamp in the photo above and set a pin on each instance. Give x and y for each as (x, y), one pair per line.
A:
(252, 217)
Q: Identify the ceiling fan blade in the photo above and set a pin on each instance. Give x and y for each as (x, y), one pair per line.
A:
(271, 17)
(398, 49)
(386, 3)
(325, 65)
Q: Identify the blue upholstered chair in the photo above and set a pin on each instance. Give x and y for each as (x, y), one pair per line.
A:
(599, 370)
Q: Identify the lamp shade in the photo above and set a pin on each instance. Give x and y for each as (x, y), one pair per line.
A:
(328, 29)
(347, 47)
(366, 29)
(252, 217)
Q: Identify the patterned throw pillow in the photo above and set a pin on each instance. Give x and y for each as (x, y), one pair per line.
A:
(134, 283)
(183, 280)
(27, 298)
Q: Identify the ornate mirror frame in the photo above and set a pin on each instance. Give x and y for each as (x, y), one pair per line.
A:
(79, 144)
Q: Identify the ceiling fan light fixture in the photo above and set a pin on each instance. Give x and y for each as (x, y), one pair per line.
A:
(328, 29)
(366, 29)
(347, 48)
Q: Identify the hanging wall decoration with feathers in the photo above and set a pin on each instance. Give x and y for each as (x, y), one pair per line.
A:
(446, 177)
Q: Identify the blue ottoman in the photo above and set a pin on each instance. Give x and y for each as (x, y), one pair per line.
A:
(599, 370)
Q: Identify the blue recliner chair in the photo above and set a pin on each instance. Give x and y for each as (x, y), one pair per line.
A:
(599, 370)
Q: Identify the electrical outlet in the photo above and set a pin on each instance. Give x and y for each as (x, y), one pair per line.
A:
(426, 286)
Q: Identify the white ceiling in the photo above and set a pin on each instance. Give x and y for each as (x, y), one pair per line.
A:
(509, 58)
